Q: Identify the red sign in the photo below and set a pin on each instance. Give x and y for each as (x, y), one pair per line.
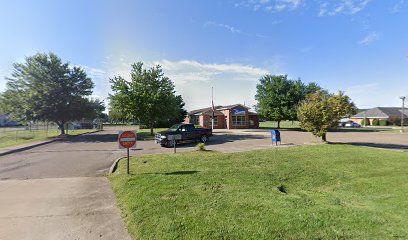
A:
(127, 139)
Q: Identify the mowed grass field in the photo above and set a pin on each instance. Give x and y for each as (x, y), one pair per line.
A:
(11, 138)
(309, 192)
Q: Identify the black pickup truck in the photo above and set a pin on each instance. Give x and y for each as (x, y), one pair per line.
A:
(188, 133)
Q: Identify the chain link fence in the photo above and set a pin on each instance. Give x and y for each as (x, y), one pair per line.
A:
(42, 130)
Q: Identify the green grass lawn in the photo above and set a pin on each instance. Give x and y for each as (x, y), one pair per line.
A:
(12, 138)
(332, 192)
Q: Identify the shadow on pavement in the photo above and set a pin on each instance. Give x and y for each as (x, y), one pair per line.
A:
(221, 139)
(98, 137)
(376, 145)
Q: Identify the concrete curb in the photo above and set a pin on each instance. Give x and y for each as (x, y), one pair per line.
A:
(114, 166)
(39, 144)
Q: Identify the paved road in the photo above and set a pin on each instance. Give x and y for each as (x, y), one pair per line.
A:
(58, 191)
(83, 156)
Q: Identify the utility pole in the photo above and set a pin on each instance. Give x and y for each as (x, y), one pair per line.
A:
(212, 108)
(402, 114)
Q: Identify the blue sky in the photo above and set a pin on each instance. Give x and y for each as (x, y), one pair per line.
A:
(358, 46)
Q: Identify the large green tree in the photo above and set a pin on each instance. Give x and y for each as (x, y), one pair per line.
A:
(149, 96)
(278, 97)
(322, 111)
(43, 88)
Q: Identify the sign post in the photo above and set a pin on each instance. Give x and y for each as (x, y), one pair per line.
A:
(127, 139)
(173, 138)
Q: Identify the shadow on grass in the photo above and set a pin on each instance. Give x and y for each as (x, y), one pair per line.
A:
(175, 173)
(388, 146)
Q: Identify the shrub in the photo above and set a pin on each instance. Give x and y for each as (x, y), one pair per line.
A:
(376, 122)
(365, 122)
(201, 147)
(383, 122)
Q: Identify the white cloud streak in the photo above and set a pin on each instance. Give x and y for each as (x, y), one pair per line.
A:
(270, 5)
(350, 7)
(370, 38)
(224, 26)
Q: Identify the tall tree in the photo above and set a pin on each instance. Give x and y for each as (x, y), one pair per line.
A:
(322, 111)
(45, 88)
(148, 97)
(278, 97)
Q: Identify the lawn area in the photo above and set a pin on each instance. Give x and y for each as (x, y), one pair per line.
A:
(11, 138)
(332, 191)
(283, 124)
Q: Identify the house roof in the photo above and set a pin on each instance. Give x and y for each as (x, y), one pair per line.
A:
(208, 110)
(232, 106)
(381, 112)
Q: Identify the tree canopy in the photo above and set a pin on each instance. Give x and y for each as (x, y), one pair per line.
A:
(278, 97)
(322, 110)
(43, 88)
(149, 97)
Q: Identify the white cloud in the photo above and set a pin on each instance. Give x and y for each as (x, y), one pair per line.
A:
(270, 5)
(224, 26)
(233, 82)
(370, 38)
(186, 71)
(351, 7)
(397, 6)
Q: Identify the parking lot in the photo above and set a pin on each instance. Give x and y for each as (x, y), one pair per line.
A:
(251, 139)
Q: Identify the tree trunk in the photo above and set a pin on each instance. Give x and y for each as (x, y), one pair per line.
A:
(324, 137)
(151, 131)
(61, 127)
(279, 124)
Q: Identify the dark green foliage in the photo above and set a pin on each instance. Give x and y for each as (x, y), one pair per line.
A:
(383, 122)
(376, 122)
(149, 97)
(278, 96)
(43, 88)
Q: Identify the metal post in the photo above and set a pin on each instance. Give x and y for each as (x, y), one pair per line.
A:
(128, 161)
(212, 110)
(174, 144)
(402, 114)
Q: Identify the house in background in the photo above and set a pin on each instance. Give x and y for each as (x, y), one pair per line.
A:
(4, 121)
(381, 113)
(230, 117)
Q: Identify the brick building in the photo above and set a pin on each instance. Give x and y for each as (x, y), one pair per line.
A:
(230, 117)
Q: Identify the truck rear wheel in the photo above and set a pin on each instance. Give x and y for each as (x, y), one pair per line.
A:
(204, 138)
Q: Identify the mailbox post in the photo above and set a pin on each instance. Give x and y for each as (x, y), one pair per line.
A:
(275, 135)
(173, 138)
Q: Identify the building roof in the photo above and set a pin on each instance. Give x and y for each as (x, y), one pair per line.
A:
(381, 112)
(208, 110)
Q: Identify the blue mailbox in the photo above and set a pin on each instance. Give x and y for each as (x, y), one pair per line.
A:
(275, 134)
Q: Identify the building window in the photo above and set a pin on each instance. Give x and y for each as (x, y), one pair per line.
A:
(215, 121)
(195, 120)
(238, 120)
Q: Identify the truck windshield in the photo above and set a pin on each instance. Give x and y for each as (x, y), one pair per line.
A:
(174, 127)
